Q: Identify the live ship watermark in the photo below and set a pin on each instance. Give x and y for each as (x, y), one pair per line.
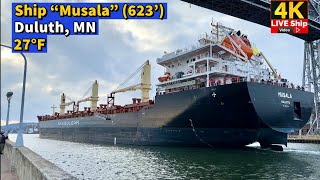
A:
(289, 16)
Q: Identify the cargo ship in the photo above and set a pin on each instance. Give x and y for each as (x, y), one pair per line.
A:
(221, 92)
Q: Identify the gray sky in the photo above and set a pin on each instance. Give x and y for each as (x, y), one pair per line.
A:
(73, 63)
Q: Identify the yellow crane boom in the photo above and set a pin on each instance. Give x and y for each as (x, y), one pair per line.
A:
(274, 72)
(93, 98)
(144, 86)
(130, 88)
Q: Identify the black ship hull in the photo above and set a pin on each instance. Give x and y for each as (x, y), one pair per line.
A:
(229, 115)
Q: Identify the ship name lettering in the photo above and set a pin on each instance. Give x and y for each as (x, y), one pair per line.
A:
(68, 123)
(285, 95)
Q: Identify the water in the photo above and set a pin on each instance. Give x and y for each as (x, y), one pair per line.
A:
(85, 161)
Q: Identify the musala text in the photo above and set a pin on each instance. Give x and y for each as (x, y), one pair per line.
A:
(285, 95)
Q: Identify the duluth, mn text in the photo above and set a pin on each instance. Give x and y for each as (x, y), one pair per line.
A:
(56, 27)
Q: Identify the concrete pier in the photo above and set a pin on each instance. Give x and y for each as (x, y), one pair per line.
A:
(28, 165)
(6, 173)
(304, 139)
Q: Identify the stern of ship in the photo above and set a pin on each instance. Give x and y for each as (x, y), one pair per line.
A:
(281, 111)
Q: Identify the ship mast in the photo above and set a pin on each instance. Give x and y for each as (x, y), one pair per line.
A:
(53, 109)
(63, 103)
(144, 86)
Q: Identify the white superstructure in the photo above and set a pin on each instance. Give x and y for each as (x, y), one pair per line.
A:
(223, 57)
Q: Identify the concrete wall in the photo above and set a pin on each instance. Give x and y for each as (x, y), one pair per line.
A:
(28, 165)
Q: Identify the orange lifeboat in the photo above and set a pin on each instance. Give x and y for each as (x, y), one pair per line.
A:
(245, 48)
(165, 77)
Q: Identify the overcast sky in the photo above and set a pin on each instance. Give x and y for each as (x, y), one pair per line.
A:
(73, 63)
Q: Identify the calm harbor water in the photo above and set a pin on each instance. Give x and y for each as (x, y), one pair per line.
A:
(86, 161)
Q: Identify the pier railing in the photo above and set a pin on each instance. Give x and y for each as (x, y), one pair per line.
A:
(304, 139)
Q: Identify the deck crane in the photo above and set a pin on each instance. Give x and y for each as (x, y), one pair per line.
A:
(274, 72)
(144, 86)
(63, 104)
(94, 98)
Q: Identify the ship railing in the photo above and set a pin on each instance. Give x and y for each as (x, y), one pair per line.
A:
(179, 52)
(234, 80)
(205, 39)
(281, 84)
(269, 82)
(227, 70)
(242, 77)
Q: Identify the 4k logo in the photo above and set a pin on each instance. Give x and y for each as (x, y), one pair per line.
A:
(289, 16)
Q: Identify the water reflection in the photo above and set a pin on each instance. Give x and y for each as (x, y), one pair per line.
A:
(247, 163)
(298, 161)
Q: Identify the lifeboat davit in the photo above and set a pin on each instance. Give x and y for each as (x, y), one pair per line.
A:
(245, 48)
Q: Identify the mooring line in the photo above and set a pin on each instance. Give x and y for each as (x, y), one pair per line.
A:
(194, 130)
